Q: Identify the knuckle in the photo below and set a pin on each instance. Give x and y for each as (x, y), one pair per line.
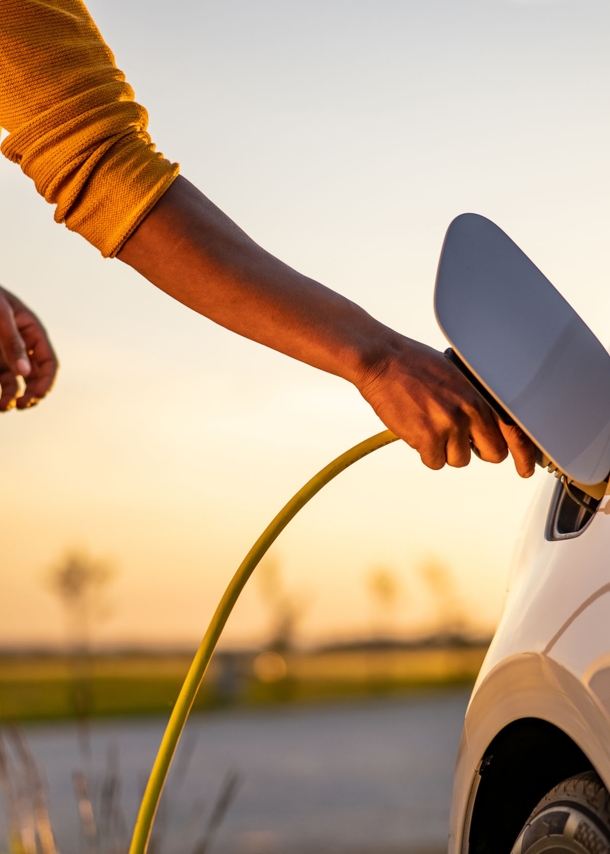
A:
(459, 462)
(459, 455)
(432, 454)
(472, 408)
(432, 457)
(519, 438)
(497, 455)
(493, 448)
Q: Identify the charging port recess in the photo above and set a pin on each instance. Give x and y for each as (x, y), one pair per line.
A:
(571, 512)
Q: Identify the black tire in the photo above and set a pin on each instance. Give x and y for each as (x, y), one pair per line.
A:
(574, 817)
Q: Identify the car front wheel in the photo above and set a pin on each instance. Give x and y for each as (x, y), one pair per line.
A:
(574, 817)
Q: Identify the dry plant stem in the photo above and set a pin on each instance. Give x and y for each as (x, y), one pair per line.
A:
(85, 811)
(226, 796)
(8, 789)
(194, 678)
(37, 792)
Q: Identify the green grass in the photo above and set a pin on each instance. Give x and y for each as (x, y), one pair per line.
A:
(56, 687)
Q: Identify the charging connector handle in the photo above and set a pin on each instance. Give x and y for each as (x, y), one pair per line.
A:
(596, 490)
(489, 399)
(194, 678)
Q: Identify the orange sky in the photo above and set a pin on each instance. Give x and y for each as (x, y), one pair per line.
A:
(344, 136)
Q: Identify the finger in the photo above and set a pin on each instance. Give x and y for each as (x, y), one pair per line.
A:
(10, 389)
(486, 436)
(39, 383)
(458, 449)
(44, 364)
(12, 344)
(432, 453)
(521, 447)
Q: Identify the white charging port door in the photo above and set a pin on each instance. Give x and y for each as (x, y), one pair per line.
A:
(526, 345)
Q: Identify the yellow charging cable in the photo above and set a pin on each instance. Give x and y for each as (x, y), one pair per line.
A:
(194, 678)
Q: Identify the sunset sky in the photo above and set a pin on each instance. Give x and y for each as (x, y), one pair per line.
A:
(343, 136)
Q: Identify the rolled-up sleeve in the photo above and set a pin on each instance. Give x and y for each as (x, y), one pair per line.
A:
(73, 124)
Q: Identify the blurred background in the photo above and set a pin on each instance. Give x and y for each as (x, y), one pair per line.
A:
(343, 136)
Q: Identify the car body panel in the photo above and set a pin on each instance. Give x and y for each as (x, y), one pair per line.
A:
(550, 658)
(525, 686)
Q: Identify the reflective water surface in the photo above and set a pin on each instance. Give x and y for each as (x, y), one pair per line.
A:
(345, 779)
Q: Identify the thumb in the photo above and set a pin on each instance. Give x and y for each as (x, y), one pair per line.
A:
(521, 447)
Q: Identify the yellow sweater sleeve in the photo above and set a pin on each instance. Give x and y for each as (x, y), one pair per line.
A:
(73, 124)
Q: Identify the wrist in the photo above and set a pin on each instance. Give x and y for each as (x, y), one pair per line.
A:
(377, 355)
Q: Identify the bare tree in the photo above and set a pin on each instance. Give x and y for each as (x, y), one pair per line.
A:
(439, 581)
(384, 589)
(286, 608)
(79, 581)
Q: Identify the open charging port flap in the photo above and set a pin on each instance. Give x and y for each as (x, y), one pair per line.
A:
(528, 353)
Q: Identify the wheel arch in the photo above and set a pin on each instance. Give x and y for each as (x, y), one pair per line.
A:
(523, 762)
(530, 724)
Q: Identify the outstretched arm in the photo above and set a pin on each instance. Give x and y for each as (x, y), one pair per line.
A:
(191, 250)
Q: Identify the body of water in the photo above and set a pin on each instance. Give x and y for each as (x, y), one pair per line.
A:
(340, 779)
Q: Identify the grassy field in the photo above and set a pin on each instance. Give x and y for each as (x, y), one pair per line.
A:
(51, 686)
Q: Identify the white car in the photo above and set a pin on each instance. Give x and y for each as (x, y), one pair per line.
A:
(533, 770)
(534, 759)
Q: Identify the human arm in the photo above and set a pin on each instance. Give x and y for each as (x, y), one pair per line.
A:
(187, 247)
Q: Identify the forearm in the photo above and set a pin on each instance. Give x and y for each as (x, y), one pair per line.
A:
(192, 251)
